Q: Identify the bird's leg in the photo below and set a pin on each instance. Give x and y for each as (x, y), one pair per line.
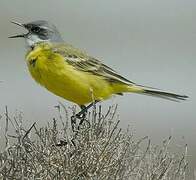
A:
(84, 109)
(81, 115)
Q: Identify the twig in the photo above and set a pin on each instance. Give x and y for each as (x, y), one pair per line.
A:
(28, 131)
(6, 127)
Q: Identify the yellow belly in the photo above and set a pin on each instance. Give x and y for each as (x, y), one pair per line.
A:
(54, 73)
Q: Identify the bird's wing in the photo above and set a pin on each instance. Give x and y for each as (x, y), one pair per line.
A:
(83, 62)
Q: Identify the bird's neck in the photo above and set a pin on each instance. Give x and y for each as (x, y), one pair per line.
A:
(32, 41)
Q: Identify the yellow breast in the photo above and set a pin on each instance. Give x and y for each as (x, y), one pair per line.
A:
(53, 72)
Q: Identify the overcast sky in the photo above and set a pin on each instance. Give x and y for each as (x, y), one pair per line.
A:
(151, 42)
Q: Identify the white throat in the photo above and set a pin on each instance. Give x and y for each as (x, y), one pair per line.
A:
(32, 40)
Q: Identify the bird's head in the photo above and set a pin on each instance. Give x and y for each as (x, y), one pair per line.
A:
(38, 31)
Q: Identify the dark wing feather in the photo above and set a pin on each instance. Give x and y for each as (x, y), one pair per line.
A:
(82, 62)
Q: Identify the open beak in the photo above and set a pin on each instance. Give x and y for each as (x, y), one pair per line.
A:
(19, 35)
(17, 23)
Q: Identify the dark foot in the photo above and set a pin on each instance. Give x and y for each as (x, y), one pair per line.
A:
(81, 115)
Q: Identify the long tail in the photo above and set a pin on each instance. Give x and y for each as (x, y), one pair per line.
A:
(157, 93)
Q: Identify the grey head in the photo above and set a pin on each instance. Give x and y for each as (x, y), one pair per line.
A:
(39, 31)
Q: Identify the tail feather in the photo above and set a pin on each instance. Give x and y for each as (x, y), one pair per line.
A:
(164, 95)
(156, 93)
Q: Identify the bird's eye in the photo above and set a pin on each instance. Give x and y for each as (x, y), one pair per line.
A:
(35, 29)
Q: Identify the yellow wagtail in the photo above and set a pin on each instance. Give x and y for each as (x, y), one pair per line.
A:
(71, 73)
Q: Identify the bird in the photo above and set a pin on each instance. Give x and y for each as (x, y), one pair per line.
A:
(73, 74)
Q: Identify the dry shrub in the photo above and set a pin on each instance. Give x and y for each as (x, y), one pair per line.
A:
(100, 150)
